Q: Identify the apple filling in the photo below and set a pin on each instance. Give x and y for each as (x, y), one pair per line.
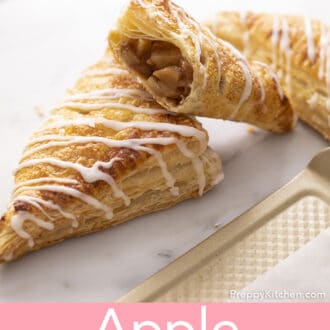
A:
(161, 65)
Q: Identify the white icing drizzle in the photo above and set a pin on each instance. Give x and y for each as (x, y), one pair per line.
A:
(183, 130)
(110, 94)
(234, 50)
(170, 180)
(312, 101)
(275, 39)
(74, 193)
(72, 139)
(246, 91)
(105, 72)
(242, 62)
(30, 200)
(327, 77)
(89, 174)
(275, 78)
(218, 177)
(285, 48)
(94, 173)
(197, 37)
(44, 180)
(324, 68)
(310, 39)
(262, 88)
(87, 107)
(35, 201)
(142, 4)
(184, 150)
(154, 13)
(199, 169)
(323, 50)
(17, 222)
(283, 42)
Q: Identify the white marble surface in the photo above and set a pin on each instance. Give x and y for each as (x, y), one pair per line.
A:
(291, 280)
(44, 45)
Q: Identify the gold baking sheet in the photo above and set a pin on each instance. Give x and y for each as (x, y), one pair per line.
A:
(253, 243)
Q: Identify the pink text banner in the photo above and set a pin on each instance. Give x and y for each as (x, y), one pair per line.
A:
(164, 316)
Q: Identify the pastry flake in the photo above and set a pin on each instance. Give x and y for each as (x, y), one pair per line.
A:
(107, 154)
(188, 70)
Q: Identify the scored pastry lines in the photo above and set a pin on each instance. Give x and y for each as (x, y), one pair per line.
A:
(94, 173)
(280, 39)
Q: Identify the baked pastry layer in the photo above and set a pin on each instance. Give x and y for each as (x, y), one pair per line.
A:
(188, 70)
(297, 48)
(107, 154)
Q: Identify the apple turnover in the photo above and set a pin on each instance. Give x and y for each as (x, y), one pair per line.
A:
(188, 70)
(107, 154)
(295, 47)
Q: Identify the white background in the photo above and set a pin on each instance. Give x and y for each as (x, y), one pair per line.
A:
(44, 45)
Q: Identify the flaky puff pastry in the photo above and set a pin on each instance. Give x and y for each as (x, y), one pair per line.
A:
(188, 70)
(108, 154)
(297, 48)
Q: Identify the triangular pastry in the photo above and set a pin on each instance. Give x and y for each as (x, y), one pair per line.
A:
(188, 70)
(108, 154)
(297, 48)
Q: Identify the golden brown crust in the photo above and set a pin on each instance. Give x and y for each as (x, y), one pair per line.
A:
(296, 47)
(150, 201)
(224, 85)
(137, 173)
